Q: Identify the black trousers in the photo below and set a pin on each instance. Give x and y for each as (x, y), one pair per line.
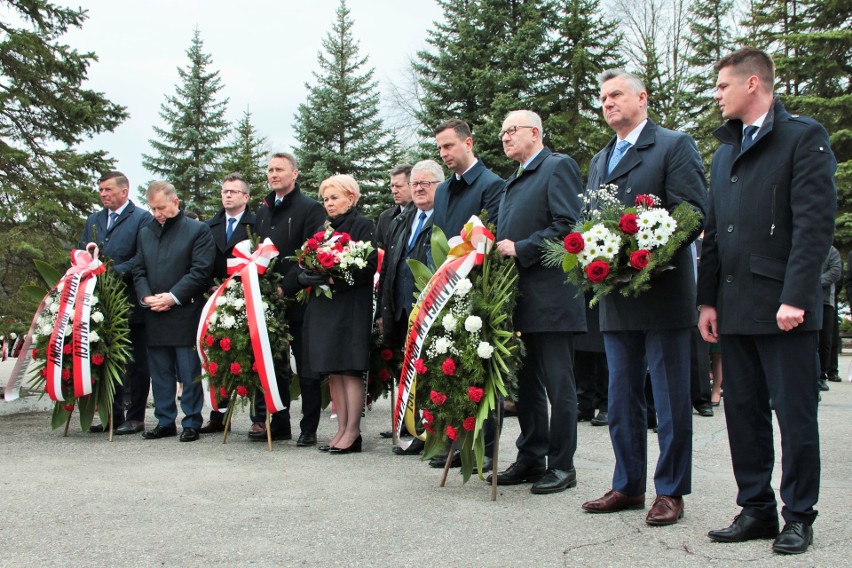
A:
(699, 369)
(826, 338)
(137, 380)
(592, 374)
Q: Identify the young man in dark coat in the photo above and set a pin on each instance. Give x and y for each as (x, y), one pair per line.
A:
(289, 218)
(401, 192)
(172, 273)
(229, 226)
(541, 201)
(115, 229)
(769, 228)
(644, 158)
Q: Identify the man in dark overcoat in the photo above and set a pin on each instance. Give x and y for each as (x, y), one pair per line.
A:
(401, 193)
(541, 201)
(769, 228)
(645, 159)
(288, 217)
(229, 226)
(115, 229)
(172, 273)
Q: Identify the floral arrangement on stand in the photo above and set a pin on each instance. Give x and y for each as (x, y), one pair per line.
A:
(80, 342)
(385, 363)
(331, 254)
(617, 247)
(242, 330)
(471, 353)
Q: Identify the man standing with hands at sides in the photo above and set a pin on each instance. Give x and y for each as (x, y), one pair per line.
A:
(471, 188)
(172, 273)
(289, 218)
(769, 228)
(541, 201)
(645, 159)
(401, 192)
(229, 227)
(115, 229)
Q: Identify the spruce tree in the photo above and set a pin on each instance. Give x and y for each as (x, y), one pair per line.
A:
(188, 151)
(47, 183)
(247, 155)
(338, 128)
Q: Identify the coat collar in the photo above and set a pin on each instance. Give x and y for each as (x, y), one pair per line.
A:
(542, 155)
(269, 200)
(647, 138)
(732, 131)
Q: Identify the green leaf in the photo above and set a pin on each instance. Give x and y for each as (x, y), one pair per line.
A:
(569, 262)
(440, 246)
(421, 273)
(50, 274)
(30, 293)
(59, 417)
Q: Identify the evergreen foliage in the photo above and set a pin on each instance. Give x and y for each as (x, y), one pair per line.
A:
(247, 155)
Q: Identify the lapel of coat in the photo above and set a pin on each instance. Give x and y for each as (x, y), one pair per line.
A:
(542, 155)
(128, 211)
(633, 156)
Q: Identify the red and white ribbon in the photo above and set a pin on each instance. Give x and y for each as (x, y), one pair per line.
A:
(248, 266)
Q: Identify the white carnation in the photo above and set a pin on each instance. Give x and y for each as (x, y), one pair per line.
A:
(213, 319)
(442, 345)
(97, 317)
(231, 283)
(449, 322)
(473, 324)
(48, 301)
(222, 301)
(94, 337)
(238, 303)
(484, 350)
(228, 321)
(463, 287)
(68, 330)
(45, 330)
(54, 307)
(94, 301)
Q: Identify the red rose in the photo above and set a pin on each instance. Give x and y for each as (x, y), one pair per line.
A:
(469, 423)
(597, 270)
(241, 390)
(428, 417)
(449, 366)
(225, 344)
(428, 428)
(35, 353)
(452, 433)
(644, 201)
(387, 354)
(438, 398)
(68, 407)
(209, 340)
(629, 224)
(319, 236)
(639, 259)
(420, 367)
(66, 350)
(344, 239)
(97, 359)
(212, 367)
(223, 393)
(326, 259)
(338, 246)
(475, 394)
(312, 244)
(43, 373)
(66, 374)
(574, 243)
(236, 369)
(384, 375)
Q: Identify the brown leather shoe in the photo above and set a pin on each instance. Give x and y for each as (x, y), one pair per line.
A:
(212, 427)
(613, 501)
(666, 510)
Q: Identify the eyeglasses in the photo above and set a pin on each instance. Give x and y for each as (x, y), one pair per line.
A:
(423, 184)
(512, 130)
(232, 192)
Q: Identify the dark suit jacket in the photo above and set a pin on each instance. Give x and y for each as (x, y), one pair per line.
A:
(770, 223)
(383, 225)
(543, 203)
(457, 200)
(667, 164)
(218, 226)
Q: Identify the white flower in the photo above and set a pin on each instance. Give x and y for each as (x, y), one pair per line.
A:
(68, 329)
(214, 317)
(54, 307)
(231, 283)
(238, 303)
(48, 301)
(644, 239)
(222, 301)
(94, 337)
(484, 350)
(610, 247)
(463, 287)
(449, 322)
(473, 324)
(94, 301)
(264, 306)
(97, 317)
(45, 330)
(228, 321)
(35, 338)
(598, 231)
(442, 345)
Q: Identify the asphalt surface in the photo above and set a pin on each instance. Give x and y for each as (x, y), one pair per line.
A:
(83, 501)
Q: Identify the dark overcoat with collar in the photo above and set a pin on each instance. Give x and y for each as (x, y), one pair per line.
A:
(770, 223)
(119, 244)
(456, 200)
(218, 226)
(543, 203)
(175, 257)
(667, 164)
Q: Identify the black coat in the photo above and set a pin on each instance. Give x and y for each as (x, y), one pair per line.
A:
(543, 203)
(337, 330)
(770, 224)
(289, 225)
(175, 257)
(224, 249)
(383, 225)
(456, 200)
(667, 164)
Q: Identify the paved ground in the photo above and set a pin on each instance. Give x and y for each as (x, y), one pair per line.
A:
(81, 500)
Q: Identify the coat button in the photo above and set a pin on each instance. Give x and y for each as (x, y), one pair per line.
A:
(628, 190)
(734, 179)
(729, 278)
(272, 227)
(730, 228)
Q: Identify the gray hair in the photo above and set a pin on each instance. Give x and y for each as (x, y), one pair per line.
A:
(533, 118)
(430, 166)
(635, 82)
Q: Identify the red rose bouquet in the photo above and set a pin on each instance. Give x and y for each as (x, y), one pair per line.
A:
(619, 247)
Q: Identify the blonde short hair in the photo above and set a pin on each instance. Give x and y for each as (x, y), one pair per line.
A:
(343, 182)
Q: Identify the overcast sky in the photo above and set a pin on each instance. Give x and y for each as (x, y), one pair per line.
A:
(265, 51)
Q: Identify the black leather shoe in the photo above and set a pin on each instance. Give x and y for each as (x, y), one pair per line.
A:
(585, 416)
(794, 539)
(413, 449)
(130, 427)
(97, 429)
(259, 434)
(386, 434)
(325, 448)
(189, 435)
(554, 481)
(307, 439)
(440, 460)
(602, 419)
(487, 464)
(213, 426)
(704, 409)
(746, 528)
(834, 378)
(823, 385)
(160, 432)
(353, 449)
(518, 473)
